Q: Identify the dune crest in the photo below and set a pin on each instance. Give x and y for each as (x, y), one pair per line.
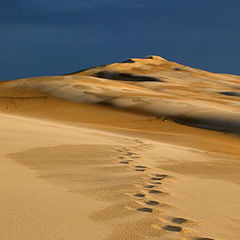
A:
(152, 86)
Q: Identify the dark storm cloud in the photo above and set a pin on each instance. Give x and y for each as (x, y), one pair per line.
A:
(174, 13)
(45, 37)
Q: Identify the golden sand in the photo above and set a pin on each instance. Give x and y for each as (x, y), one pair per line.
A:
(125, 151)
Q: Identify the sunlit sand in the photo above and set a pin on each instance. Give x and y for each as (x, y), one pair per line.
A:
(146, 149)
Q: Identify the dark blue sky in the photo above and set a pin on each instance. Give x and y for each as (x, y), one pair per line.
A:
(52, 37)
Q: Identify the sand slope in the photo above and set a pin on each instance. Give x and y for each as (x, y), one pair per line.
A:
(113, 152)
(151, 86)
(61, 182)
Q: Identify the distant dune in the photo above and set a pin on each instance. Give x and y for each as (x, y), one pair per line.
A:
(152, 86)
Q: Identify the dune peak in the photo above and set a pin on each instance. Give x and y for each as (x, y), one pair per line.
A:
(155, 57)
(149, 57)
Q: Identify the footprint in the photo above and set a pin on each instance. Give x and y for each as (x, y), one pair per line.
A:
(148, 210)
(129, 154)
(156, 178)
(179, 220)
(140, 166)
(139, 195)
(155, 192)
(152, 203)
(140, 170)
(149, 186)
(124, 162)
(172, 228)
(203, 238)
(162, 175)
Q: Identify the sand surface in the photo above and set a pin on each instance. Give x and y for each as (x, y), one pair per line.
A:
(124, 151)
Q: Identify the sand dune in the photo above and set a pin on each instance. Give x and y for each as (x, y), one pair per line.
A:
(152, 86)
(122, 151)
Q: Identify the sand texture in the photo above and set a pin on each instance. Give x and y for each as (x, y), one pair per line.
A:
(146, 149)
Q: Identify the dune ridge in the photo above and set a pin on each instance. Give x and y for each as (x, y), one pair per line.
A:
(152, 86)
